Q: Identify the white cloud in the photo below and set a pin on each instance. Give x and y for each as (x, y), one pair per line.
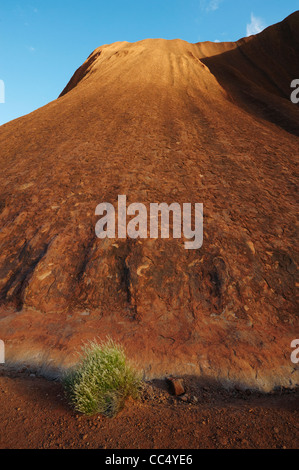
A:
(256, 25)
(210, 5)
(213, 5)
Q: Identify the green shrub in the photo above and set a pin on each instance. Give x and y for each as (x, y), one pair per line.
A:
(102, 380)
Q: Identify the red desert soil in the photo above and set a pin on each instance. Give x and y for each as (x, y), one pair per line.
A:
(35, 414)
(158, 121)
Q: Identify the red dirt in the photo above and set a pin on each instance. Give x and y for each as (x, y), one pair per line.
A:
(35, 414)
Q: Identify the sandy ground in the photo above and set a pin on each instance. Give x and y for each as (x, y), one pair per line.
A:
(34, 414)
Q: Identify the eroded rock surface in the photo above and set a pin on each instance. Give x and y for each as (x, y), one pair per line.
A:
(159, 121)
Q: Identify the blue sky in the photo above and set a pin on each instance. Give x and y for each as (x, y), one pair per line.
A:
(42, 42)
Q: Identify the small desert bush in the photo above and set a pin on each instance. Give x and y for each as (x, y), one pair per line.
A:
(102, 380)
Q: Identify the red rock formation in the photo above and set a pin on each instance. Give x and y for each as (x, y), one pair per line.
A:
(159, 121)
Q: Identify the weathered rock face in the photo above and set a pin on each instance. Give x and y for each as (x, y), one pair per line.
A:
(159, 121)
